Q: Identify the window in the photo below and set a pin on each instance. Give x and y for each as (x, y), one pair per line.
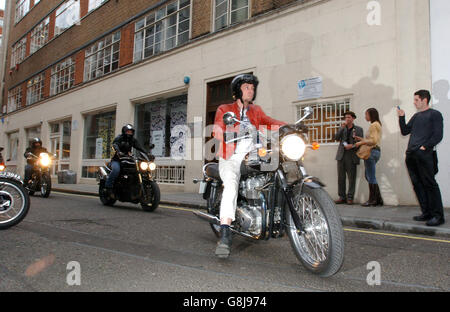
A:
(228, 12)
(162, 30)
(13, 146)
(14, 99)
(93, 4)
(99, 134)
(102, 57)
(18, 52)
(163, 123)
(35, 89)
(60, 133)
(63, 76)
(67, 15)
(326, 120)
(33, 133)
(39, 35)
(22, 8)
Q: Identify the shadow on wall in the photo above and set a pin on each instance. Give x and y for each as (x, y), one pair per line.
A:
(297, 58)
(441, 102)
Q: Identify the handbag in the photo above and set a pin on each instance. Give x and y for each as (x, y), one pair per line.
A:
(364, 151)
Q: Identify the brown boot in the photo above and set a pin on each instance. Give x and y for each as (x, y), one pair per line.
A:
(378, 198)
(372, 197)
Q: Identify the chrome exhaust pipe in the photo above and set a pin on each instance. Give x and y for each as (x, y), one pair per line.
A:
(208, 217)
(102, 174)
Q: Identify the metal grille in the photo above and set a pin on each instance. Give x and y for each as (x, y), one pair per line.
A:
(327, 119)
(170, 174)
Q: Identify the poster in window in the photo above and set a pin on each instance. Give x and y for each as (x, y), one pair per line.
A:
(158, 140)
(99, 148)
(178, 128)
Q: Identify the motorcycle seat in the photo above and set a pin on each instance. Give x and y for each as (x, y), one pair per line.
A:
(212, 171)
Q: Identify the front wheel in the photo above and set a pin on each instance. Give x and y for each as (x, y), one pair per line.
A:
(320, 247)
(14, 203)
(46, 186)
(153, 197)
(104, 197)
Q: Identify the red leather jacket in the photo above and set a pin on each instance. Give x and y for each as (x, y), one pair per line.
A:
(254, 113)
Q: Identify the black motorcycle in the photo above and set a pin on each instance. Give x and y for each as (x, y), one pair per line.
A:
(40, 177)
(280, 199)
(134, 184)
(14, 199)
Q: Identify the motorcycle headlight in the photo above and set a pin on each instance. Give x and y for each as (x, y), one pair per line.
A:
(144, 166)
(152, 166)
(44, 159)
(2, 167)
(293, 147)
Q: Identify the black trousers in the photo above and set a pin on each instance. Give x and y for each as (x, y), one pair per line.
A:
(421, 170)
(346, 168)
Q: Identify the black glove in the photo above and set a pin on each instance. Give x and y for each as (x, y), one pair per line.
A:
(151, 157)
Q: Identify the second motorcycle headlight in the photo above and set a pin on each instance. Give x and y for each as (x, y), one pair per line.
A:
(44, 159)
(293, 147)
(144, 166)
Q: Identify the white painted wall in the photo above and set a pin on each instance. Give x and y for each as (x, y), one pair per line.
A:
(440, 60)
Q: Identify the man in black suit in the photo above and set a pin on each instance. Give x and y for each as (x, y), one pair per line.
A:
(346, 157)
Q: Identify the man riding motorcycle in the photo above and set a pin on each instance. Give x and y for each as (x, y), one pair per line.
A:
(35, 149)
(123, 145)
(231, 155)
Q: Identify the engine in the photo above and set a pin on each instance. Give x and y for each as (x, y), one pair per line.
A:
(248, 212)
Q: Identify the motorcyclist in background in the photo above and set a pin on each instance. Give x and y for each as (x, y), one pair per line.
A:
(123, 145)
(35, 149)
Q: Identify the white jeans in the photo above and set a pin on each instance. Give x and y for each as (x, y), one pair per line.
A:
(230, 173)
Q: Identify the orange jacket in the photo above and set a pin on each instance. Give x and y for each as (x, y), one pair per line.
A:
(256, 116)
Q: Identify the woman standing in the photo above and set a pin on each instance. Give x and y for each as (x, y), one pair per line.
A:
(372, 139)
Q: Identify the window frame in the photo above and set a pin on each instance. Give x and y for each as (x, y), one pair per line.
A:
(18, 52)
(35, 89)
(21, 10)
(96, 54)
(59, 73)
(15, 93)
(60, 12)
(150, 23)
(341, 105)
(36, 35)
(228, 13)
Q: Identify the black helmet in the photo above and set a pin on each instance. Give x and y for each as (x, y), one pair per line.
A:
(36, 141)
(126, 128)
(238, 81)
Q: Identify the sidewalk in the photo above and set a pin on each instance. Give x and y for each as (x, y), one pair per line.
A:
(386, 218)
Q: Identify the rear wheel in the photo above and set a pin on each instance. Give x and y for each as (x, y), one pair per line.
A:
(214, 209)
(154, 197)
(14, 203)
(320, 247)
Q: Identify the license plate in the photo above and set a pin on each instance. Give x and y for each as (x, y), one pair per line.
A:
(202, 188)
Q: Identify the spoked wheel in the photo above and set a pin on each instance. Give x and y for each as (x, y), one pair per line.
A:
(155, 197)
(14, 203)
(46, 186)
(320, 247)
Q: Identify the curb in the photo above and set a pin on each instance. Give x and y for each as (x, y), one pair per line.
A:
(371, 224)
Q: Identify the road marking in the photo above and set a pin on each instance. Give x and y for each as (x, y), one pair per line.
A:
(345, 229)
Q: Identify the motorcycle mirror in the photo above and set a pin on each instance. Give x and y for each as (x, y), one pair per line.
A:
(9, 159)
(152, 146)
(229, 118)
(308, 113)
